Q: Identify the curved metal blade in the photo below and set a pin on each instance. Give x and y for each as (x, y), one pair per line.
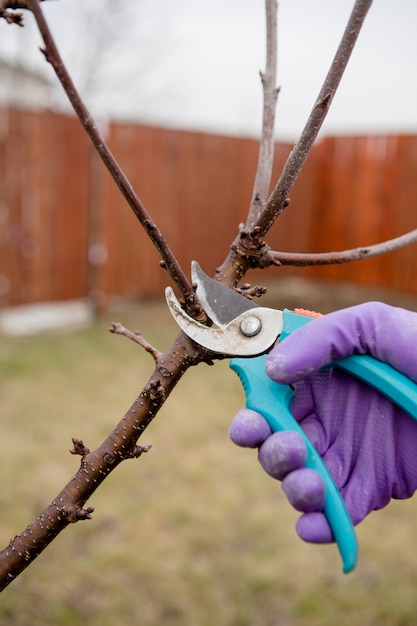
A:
(221, 303)
(229, 339)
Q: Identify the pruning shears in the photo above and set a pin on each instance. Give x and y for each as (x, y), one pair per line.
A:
(243, 329)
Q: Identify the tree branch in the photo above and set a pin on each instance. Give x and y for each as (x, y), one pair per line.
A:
(270, 92)
(54, 58)
(277, 201)
(344, 256)
(137, 337)
(121, 444)
(248, 249)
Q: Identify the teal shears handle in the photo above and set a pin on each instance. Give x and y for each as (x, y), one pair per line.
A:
(274, 402)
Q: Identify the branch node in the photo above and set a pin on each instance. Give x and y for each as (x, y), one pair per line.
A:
(251, 292)
(139, 450)
(325, 101)
(73, 513)
(156, 392)
(79, 447)
(252, 249)
(109, 458)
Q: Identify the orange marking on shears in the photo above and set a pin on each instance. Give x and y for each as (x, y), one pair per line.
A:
(308, 313)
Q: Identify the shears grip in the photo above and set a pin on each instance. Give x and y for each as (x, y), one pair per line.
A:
(274, 402)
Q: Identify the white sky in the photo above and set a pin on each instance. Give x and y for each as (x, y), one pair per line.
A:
(198, 65)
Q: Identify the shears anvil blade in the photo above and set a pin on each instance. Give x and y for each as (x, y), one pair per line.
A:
(229, 339)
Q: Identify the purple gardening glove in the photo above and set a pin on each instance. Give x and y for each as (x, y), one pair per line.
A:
(368, 444)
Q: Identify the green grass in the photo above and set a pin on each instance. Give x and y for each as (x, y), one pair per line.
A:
(192, 533)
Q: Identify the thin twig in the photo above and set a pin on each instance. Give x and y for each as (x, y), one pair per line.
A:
(270, 92)
(137, 337)
(277, 201)
(54, 58)
(344, 256)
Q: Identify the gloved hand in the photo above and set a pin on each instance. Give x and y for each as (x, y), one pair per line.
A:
(368, 444)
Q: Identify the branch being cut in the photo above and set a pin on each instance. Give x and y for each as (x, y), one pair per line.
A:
(333, 258)
(54, 58)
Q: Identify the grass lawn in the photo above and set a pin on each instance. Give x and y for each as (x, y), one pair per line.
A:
(191, 534)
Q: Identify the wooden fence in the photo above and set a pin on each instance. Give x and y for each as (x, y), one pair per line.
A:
(66, 233)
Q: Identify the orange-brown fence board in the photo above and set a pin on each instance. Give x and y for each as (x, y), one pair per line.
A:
(65, 231)
(197, 187)
(368, 194)
(44, 187)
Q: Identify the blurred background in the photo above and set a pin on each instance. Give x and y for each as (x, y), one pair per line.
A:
(193, 532)
(176, 90)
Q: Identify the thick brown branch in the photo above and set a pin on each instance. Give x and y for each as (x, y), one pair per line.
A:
(121, 444)
(344, 256)
(266, 148)
(52, 55)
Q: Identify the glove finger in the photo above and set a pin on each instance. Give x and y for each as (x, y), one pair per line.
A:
(281, 453)
(305, 490)
(249, 429)
(314, 528)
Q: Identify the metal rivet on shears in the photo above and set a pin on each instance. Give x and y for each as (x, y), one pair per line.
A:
(250, 326)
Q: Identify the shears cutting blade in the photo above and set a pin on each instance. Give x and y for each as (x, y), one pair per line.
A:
(244, 329)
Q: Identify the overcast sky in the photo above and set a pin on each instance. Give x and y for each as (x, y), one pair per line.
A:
(197, 66)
